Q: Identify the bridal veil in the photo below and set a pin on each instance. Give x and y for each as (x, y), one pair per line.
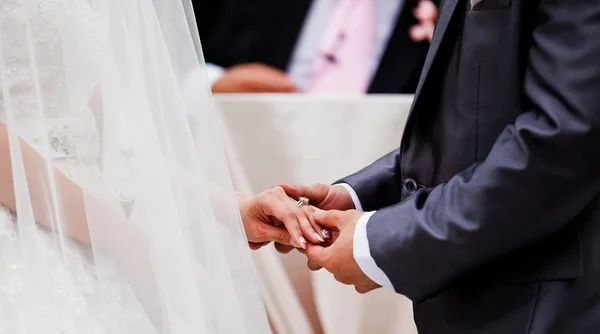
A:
(119, 173)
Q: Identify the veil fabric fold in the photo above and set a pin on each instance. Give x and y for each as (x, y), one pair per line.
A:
(124, 219)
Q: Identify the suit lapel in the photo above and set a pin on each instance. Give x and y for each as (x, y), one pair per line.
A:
(446, 13)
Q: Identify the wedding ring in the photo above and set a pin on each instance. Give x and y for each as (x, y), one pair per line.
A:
(302, 201)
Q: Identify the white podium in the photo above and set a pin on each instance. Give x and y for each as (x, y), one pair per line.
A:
(305, 139)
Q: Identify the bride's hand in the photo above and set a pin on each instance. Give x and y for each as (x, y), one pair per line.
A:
(264, 215)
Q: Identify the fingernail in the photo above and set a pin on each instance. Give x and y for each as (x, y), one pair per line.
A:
(325, 233)
(302, 242)
(320, 238)
(293, 244)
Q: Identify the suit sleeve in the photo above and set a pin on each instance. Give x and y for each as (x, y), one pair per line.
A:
(378, 185)
(543, 170)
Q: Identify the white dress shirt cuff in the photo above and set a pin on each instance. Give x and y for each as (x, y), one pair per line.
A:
(354, 196)
(362, 254)
(215, 72)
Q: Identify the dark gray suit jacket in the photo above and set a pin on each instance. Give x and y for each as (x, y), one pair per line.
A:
(488, 216)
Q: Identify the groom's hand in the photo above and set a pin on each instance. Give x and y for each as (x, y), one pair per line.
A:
(338, 258)
(322, 196)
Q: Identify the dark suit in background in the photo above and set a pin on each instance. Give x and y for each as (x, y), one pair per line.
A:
(236, 32)
(488, 216)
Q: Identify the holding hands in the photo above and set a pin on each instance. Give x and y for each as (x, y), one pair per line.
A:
(326, 237)
(338, 258)
(274, 216)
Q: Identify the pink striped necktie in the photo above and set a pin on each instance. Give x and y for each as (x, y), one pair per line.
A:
(343, 66)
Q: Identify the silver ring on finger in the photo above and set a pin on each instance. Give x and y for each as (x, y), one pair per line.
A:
(302, 201)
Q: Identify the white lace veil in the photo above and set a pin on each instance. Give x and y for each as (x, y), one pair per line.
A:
(126, 220)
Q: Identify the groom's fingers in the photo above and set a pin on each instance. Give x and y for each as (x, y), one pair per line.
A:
(312, 266)
(323, 233)
(329, 219)
(318, 256)
(316, 193)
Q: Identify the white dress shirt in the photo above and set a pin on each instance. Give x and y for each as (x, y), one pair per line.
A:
(362, 252)
(309, 42)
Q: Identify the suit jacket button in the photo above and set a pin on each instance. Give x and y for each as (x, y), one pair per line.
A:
(410, 185)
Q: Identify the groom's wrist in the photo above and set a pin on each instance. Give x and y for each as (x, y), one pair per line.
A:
(353, 195)
(362, 253)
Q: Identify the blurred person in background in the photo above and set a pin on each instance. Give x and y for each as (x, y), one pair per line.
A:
(325, 46)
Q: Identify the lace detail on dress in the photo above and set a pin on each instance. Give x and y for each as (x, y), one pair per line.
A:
(73, 299)
(61, 141)
(49, 100)
(51, 97)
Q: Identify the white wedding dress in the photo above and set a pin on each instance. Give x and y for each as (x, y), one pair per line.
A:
(93, 87)
(77, 303)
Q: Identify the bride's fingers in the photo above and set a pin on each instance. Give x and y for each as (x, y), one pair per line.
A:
(309, 211)
(257, 245)
(312, 234)
(290, 218)
(271, 206)
(283, 249)
(294, 217)
(270, 233)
